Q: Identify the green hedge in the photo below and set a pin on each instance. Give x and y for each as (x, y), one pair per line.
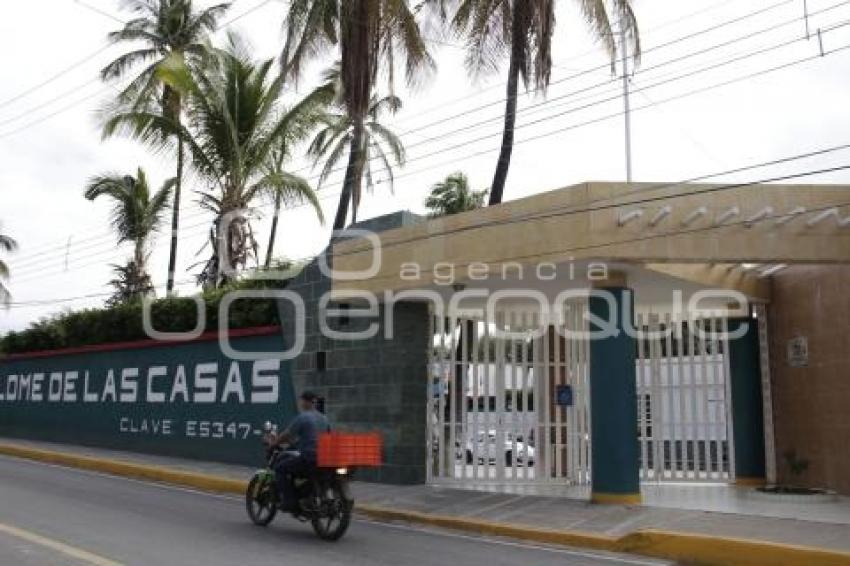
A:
(123, 323)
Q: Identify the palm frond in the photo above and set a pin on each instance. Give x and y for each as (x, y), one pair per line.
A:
(207, 20)
(387, 137)
(8, 244)
(311, 26)
(334, 157)
(119, 66)
(292, 189)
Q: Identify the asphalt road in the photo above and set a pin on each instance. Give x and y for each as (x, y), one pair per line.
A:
(52, 515)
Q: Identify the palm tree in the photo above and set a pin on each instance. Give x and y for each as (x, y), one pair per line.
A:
(279, 157)
(130, 283)
(8, 245)
(523, 30)
(335, 139)
(136, 216)
(165, 28)
(453, 195)
(237, 132)
(369, 35)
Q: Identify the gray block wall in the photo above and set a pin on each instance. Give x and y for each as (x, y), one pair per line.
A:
(378, 384)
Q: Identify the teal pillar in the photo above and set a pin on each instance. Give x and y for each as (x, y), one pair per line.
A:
(747, 405)
(613, 401)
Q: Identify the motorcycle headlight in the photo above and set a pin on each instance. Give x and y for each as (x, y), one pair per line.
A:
(342, 471)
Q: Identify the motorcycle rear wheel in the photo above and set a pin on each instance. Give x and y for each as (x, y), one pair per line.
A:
(260, 500)
(334, 515)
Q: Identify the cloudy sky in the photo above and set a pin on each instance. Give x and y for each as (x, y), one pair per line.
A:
(703, 97)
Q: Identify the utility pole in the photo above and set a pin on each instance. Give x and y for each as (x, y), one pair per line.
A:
(626, 102)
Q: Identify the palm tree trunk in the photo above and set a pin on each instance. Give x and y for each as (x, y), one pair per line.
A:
(172, 106)
(353, 175)
(175, 221)
(498, 187)
(139, 257)
(221, 243)
(273, 234)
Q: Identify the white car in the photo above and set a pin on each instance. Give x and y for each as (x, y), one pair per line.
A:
(483, 446)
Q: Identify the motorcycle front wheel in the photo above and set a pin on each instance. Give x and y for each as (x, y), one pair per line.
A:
(260, 500)
(334, 514)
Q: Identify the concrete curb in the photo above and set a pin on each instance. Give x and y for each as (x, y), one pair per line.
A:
(534, 534)
(128, 469)
(689, 548)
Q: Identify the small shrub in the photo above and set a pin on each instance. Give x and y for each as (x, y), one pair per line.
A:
(123, 322)
(796, 465)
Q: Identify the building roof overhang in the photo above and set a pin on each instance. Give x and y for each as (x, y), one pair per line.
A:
(701, 233)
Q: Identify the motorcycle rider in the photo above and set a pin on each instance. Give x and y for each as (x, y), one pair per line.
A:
(303, 434)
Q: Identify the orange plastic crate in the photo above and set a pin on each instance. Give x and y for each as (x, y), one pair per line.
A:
(343, 450)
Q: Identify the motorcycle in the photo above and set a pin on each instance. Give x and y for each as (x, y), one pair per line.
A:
(324, 495)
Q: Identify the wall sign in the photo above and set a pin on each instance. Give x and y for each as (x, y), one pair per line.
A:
(798, 352)
(564, 395)
(186, 399)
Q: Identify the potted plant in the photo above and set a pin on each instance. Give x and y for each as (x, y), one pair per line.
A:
(797, 466)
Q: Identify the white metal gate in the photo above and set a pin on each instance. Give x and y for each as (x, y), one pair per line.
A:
(684, 408)
(494, 411)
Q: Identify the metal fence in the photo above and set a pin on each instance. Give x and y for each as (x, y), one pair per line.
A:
(492, 417)
(684, 412)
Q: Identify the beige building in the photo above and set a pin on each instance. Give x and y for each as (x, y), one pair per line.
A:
(811, 390)
(785, 248)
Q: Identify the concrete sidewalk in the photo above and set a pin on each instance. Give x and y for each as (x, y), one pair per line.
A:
(527, 513)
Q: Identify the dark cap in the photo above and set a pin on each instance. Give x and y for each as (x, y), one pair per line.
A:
(309, 396)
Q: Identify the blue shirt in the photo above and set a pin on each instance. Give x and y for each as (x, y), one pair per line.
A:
(305, 429)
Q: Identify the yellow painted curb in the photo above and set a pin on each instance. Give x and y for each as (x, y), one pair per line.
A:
(723, 551)
(751, 482)
(616, 498)
(700, 549)
(549, 536)
(128, 469)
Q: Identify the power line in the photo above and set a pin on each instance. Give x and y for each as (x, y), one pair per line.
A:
(572, 77)
(229, 22)
(680, 96)
(82, 61)
(59, 300)
(816, 153)
(97, 10)
(543, 105)
(33, 272)
(92, 81)
(680, 39)
(62, 109)
(55, 76)
(596, 68)
(584, 72)
(712, 67)
(561, 130)
(599, 245)
(572, 209)
(630, 240)
(547, 104)
(618, 114)
(48, 102)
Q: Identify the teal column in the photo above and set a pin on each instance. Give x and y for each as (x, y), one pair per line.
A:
(747, 406)
(613, 402)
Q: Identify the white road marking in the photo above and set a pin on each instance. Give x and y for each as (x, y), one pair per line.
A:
(523, 545)
(360, 519)
(58, 546)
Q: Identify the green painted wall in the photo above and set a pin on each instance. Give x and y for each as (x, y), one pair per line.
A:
(613, 401)
(180, 399)
(747, 411)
